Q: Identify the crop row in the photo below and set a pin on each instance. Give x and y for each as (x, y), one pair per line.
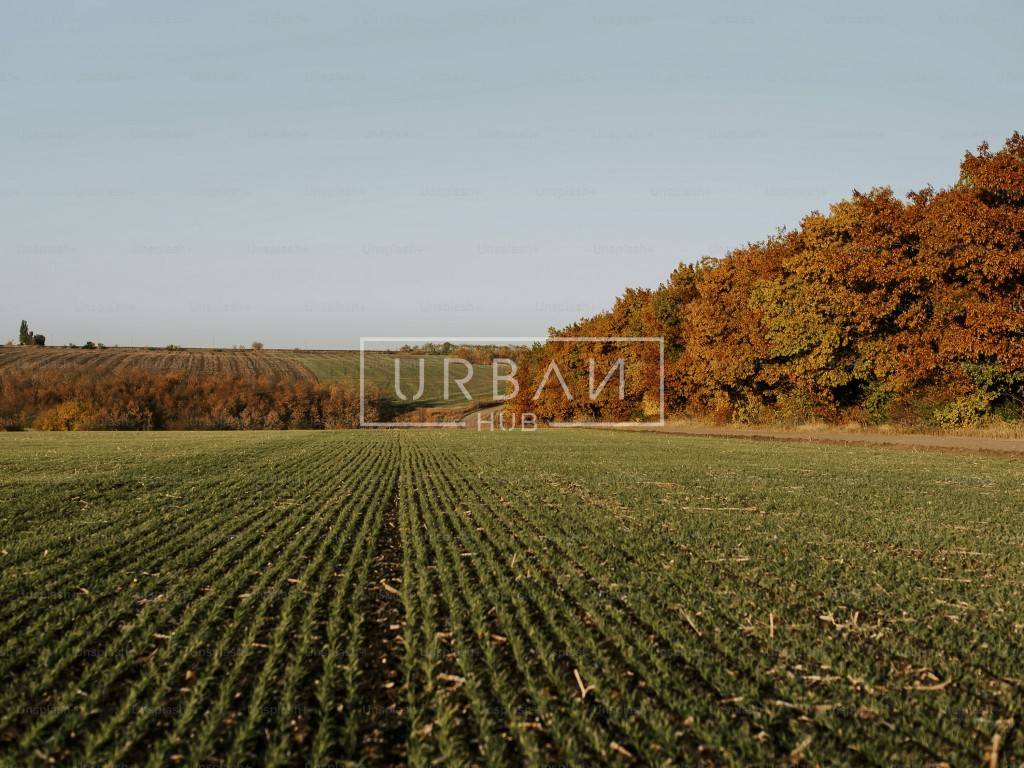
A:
(102, 362)
(545, 598)
(830, 631)
(220, 620)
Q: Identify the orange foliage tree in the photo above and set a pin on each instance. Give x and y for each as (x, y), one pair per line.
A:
(150, 400)
(880, 309)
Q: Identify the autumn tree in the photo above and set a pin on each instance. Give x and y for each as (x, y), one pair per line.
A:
(882, 308)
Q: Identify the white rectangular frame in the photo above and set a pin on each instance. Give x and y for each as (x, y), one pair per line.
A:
(660, 340)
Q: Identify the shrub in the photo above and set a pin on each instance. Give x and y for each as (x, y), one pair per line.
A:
(965, 412)
(67, 416)
(877, 402)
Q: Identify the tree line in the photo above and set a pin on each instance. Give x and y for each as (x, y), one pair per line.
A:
(881, 309)
(152, 400)
(479, 354)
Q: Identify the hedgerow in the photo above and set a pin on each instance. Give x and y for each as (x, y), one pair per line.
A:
(148, 400)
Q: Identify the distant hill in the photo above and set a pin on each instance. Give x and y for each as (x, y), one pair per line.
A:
(120, 359)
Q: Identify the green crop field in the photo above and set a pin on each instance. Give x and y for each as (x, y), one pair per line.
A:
(343, 365)
(556, 597)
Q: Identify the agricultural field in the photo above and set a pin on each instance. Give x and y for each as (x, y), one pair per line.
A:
(557, 597)
(343, 365)
(326, 366)
(100, 362)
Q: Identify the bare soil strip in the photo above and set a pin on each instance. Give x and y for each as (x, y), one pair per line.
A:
(912, 441)
(907, 441)
(385, 734)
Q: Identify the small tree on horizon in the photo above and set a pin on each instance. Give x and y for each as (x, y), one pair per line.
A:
(257, 345)
(24, 335)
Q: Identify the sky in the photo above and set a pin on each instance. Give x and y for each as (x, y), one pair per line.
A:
(308, 173)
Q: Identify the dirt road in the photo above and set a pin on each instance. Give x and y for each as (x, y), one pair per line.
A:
(909, 441)
(472, 420)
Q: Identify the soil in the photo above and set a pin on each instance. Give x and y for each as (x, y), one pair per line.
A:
(384, 738)
(909, 441)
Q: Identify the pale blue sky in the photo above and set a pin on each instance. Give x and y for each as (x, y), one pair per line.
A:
(305, 174)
